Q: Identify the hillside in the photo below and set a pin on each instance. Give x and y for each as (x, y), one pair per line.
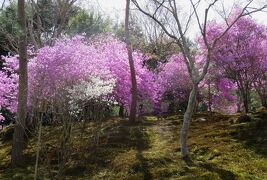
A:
(220, 149)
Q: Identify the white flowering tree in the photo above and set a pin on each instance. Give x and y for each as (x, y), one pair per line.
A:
(93, 90)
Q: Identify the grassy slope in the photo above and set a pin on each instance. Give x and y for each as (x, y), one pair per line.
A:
(150, 150)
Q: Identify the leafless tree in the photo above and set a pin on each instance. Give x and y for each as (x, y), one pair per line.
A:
(166, 14)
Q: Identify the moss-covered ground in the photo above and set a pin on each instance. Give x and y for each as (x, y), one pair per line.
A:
(149, 150)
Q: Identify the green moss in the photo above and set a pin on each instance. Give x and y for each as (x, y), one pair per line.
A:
(150, 150)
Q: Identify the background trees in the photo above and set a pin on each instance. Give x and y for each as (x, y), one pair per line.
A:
(48, 20)
(90, 23)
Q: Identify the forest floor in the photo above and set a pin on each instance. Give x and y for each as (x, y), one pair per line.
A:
(150, 150)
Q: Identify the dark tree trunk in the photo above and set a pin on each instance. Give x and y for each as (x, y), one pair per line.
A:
(261, 90)
(209, 99)
(121, 111)
(132, 117)
(246, 101)
(264, 101)
(264, 98)
(239, 101)
(18, 137)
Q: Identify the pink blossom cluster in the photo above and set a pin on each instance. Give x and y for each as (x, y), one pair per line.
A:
(240, 55)
(174, 80)
(54, 71)
(8, 86)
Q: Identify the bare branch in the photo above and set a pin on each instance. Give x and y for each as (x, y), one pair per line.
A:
(155, 19)
(241, 14)
(189, 18)
(3, 4)
(158, 8)
(184, 46)
(196, 14)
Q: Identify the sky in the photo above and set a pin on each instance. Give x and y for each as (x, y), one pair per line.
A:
(115, 9)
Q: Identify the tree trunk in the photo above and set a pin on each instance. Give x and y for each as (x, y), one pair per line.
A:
(121, 111)
(18, 137)
(239, 101)
(209, 99)
(262, 94)
(132, 117)
(187, 118)
(38, 146)
(65, 144)
(264, 101)
(246, 100)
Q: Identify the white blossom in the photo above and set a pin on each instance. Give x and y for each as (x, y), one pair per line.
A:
(92, 89)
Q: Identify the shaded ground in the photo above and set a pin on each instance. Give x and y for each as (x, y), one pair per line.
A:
(150, 150)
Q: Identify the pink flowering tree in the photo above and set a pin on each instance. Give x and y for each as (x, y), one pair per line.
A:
(115, 56)
(260, 83)
(240, 52)
(218, 92)
(174, 81)
(76, 70)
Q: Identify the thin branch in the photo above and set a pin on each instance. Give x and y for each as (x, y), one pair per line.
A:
(155, 19)
(158, 7)
(196, 14)
(3, 4)
(184, 46)
(189, 19)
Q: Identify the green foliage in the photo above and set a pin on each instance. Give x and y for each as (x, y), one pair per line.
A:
(8, 19)
(9, 24)
(89, 23)
(42, 19)
(137, 36)
(47, 11)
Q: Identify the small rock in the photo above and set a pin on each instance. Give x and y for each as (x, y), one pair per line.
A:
(201, 120)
